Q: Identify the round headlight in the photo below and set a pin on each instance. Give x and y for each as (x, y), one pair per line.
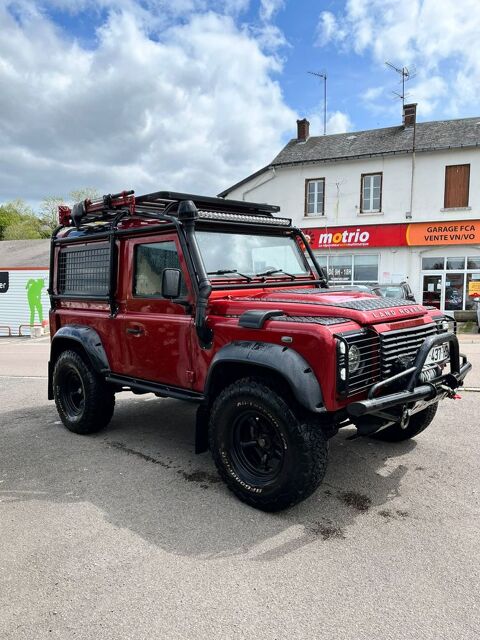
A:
(354, 358)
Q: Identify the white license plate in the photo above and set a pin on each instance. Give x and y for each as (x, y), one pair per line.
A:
(438, 354)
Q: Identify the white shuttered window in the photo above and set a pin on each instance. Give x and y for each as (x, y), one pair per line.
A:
(315, 197)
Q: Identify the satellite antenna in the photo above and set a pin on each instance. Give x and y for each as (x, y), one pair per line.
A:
(323, 76)
(406, 74)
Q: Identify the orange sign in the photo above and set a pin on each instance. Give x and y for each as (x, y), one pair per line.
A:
(437, 233)
(474, 289)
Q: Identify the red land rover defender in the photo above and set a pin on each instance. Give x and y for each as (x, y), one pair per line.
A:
(221, 303)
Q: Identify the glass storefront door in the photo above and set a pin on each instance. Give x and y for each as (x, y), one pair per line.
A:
(449, 283)
(432, 290)
(454, 291)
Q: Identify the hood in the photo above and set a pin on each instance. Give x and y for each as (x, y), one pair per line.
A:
(363, 308)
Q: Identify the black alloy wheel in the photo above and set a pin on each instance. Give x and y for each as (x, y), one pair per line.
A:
(73, 393)
(257, 448)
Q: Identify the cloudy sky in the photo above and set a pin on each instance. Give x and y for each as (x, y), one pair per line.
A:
(194, 95)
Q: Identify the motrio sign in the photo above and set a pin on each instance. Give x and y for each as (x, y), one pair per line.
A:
(395, 235)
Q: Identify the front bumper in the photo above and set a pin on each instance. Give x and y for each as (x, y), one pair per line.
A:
(414, 389)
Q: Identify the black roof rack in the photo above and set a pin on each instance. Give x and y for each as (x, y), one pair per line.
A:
(160, 200)
(163, 206)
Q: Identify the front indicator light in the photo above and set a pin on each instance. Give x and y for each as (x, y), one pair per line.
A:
(343, 373)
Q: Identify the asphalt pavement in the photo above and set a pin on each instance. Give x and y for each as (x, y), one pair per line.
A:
(128, 535)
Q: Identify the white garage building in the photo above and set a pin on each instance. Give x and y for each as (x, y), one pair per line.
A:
(23, 285)
(386, 205)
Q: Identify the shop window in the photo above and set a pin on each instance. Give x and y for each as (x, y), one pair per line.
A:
(371, 193)
(454, 264)
(315, 197)
(473, 291)
(473, 262)
(340, 268)
(457, 183)
(454, 292)
(350, 269)
(365, 268)
(433, 264)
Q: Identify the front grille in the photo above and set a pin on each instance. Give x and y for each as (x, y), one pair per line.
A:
(403, 343)
(380, 352)
(368, 343)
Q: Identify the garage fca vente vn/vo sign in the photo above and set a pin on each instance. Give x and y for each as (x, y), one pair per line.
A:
(395, 235)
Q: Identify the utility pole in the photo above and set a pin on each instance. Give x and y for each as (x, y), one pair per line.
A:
(323, 76)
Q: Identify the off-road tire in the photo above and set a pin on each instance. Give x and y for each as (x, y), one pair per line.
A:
(303, 450)
(418, 423)
(92, 409)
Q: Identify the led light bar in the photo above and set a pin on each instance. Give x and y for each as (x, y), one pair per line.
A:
(240, 217)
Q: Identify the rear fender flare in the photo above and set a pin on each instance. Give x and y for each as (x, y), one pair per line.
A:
(90, 343)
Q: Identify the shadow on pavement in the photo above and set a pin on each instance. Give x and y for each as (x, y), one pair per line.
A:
(143, 475)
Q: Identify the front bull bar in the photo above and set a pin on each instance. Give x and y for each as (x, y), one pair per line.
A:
(416, 390)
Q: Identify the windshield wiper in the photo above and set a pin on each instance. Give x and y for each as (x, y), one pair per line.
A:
(270, 272)
(222, 272)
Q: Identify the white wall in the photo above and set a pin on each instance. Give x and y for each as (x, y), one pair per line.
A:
(285, 186)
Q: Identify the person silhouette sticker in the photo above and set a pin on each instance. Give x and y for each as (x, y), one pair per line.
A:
(34, 296)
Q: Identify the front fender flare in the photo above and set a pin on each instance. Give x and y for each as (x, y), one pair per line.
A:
(283, 360)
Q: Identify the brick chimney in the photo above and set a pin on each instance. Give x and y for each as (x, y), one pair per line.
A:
(409, 115)
(303, 130)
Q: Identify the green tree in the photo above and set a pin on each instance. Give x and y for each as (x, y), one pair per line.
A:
(27, 229)
(87, 193)
(49, 212)
(14, 213)
(49, 206)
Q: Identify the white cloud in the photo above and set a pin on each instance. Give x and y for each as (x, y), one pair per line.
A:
(337, 122)
(328, 29)
(440, 37)
(268, 8)
(193, 109)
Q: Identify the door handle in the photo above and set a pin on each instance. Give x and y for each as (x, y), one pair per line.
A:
(135, 331)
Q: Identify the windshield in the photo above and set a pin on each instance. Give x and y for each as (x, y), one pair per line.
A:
(391, 291)
(241, 255)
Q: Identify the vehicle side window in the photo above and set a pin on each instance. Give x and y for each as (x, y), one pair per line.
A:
(150, 262)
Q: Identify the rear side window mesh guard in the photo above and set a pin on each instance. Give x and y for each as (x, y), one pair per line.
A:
(84, 271)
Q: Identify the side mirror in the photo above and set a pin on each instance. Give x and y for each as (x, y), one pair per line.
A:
(171, 283)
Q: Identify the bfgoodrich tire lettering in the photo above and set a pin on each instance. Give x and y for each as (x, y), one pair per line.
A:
(267, 455)
(84, 402)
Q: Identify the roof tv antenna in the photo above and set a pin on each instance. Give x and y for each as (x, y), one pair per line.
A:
(407, 74)
(323, 76)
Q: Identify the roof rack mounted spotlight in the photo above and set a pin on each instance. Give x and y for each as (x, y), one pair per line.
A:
(243, 217)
